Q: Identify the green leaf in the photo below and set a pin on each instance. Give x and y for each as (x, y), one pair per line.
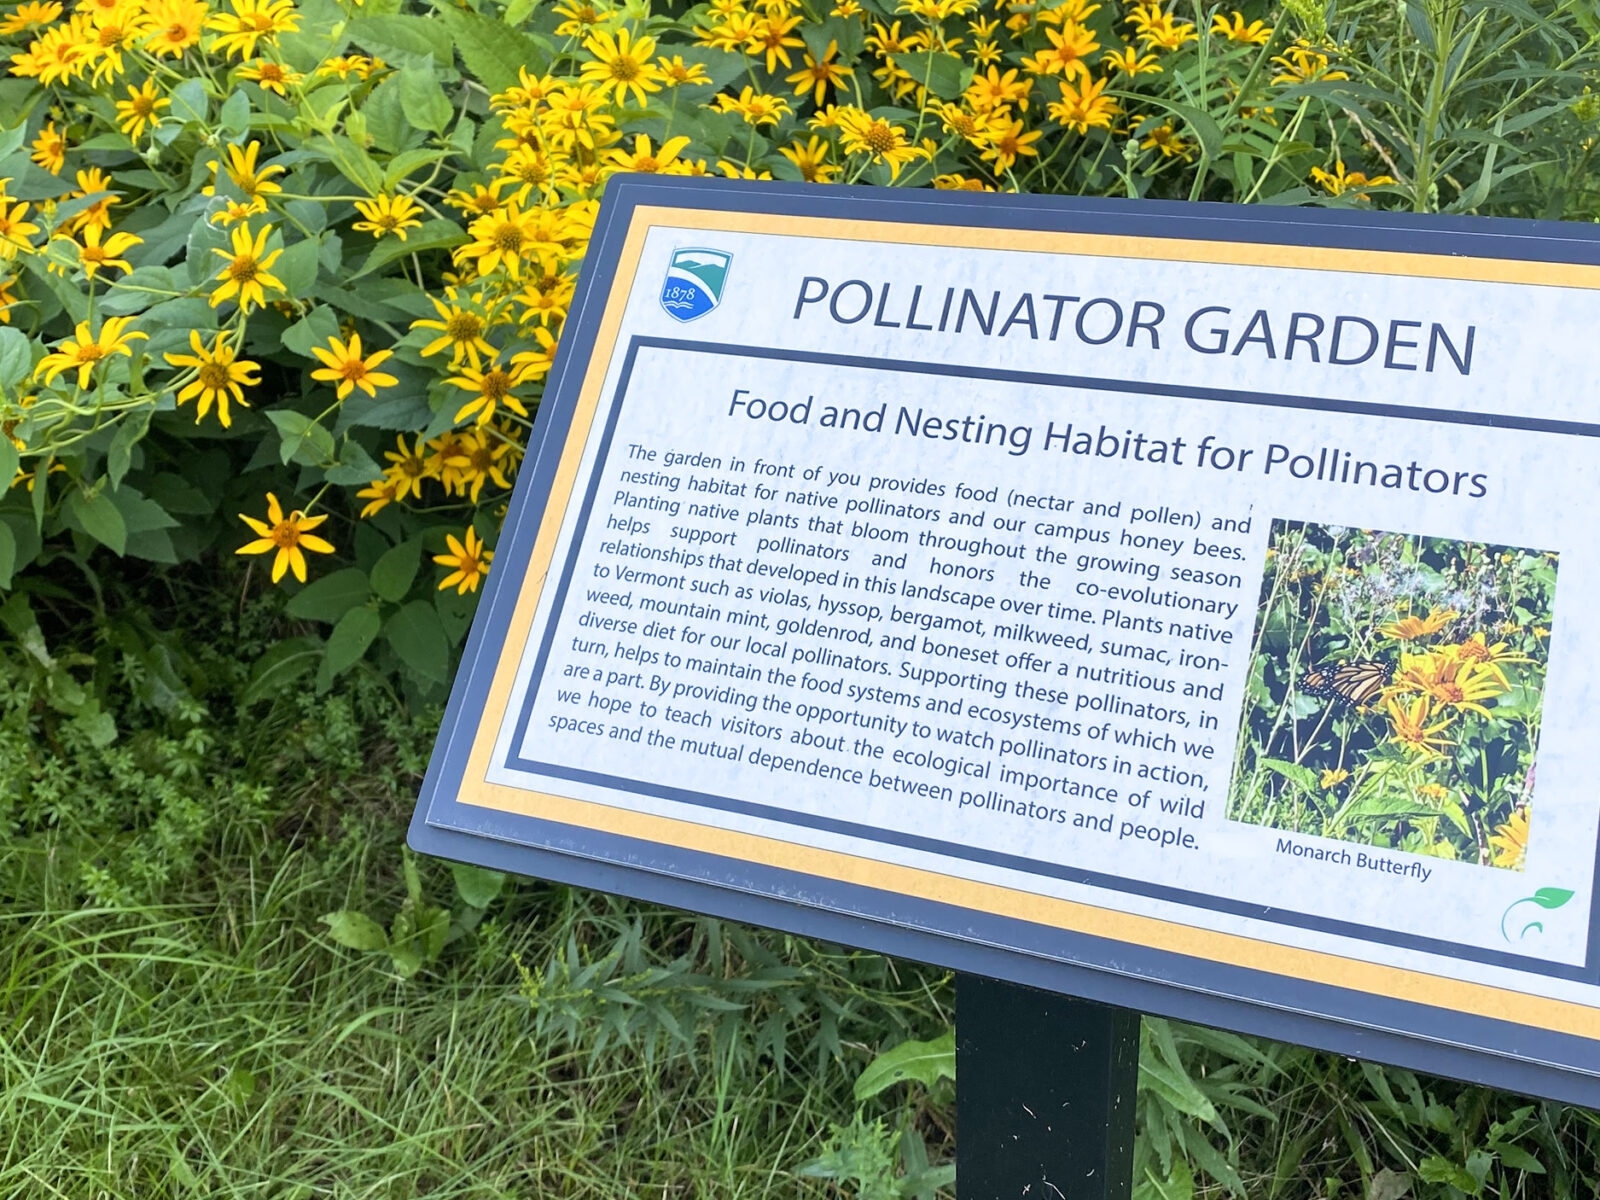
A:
(297, 267)
(421, 97)
(355, 930)
(11, 140)
(314, 329)
(119, 457)
(282, 665)
(302, 440)
(16, 361)
(8, 554)
(10, 462)
(355, 467)
(920, 1062)
(1550, 897)
(433, 235)
(477, 886)
(394, 573)
(1517, 1158)
(235, 117)
(940, 73)
(492, 51)
(347, 644)
(418, 639)
(330, 597)
(189, 102)
(1305, 777)
(400, 35)
(1200, 123)
(99, 518)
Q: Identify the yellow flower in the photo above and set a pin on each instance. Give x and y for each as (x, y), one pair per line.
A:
(845, 9)
(992, 91)
(460, 329)
(1256, 33)
(409, 468)
(140, 108)
(816, 75)
(1066, 53)
(1410, 628)
(378, 494)
(237, 210)
(1410, 726)
(468, 561)
(1166, 139)
(1129, 62)
(1007, 141)
(622, 66)
(270, 76)
(1510, 841)
(8, 298)
(176, 25)
(388, 214)
(343, 364)
(248, 272)
(218, 375)
(92, 182)
(811, 160)
(876, 137)
(582, 18)
(1333, 778)
(1338, 183)
(250, 21)
(772, 35)
(31, 15)
(93, 255)
(493, 387)
(50, 149)
(757, 108)
(1299, 63)
(15, 232)
(290, 536)
(242, 172)
(674, 72)
(960, 183)
(1086, 108)
(345, 65)
(476, 460)
(88, 350)
(502, 238)
(649, 161)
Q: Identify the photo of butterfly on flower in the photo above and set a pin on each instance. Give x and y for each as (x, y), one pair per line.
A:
(1394, 692)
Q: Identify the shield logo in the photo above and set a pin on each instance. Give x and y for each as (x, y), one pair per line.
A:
(694, 283)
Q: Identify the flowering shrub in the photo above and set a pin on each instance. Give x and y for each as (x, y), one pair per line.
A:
(283, 278)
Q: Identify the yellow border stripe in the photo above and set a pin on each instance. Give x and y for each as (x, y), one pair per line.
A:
(1291, 962)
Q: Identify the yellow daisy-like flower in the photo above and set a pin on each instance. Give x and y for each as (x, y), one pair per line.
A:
(647, 160)
(235, 211)
(477, 459)
(248, 23)
(271, 76)
(248, 273)
(1411, 730)
(811, 160)
(1085, 108)
(289, 536)
(502, 238)
(85, 351)
(468, 561)
(1166, 139)
(388, 214)
(1333, 777)
(29, 16)
(1410, 628)
(378, 494)
(1338, 183)
(622, 66)
(876, 137)
(409, 467)
(493, 387)
(674, 72)
(757, 108)
(176, 25)
(1256, 33)
(95, 254)
(242, 172)
(15, 231)
(816, 75)
(219, 375)
(1509, 842)
(460, 330)
(344, 365)
(1130, 62)
(139, 111)
(50, 149)
(1008, 140)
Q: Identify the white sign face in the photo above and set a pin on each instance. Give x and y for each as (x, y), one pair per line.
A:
(1217, 599)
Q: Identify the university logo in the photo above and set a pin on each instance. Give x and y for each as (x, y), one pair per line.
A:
(694, 283)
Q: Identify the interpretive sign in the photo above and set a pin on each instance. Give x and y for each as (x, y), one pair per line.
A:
(1182, 607)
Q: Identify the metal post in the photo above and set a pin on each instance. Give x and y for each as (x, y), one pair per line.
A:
(1045, 1088)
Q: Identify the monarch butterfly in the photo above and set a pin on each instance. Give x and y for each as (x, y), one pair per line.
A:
(1355, 683)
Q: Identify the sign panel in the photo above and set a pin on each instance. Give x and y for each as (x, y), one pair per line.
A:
(1180, 606)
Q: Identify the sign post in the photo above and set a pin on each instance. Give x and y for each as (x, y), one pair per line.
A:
(1045, 1091)
(1181, 608)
